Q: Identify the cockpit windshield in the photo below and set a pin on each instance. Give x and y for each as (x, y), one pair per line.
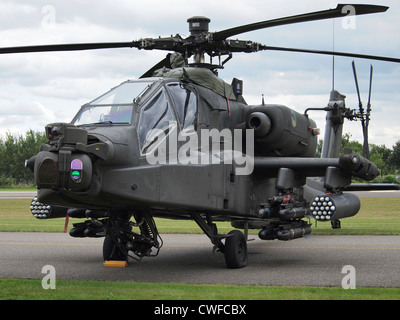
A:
(113, 107)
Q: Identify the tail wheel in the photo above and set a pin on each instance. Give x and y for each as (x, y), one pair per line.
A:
(235, 250)
(111, 250)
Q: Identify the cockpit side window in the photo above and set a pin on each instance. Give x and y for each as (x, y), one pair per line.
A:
(157, 120)
(185, 102)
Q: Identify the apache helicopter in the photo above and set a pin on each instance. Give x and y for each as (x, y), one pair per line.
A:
(181, 143)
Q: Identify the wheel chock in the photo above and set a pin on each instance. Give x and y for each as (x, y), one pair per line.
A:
(116, 263)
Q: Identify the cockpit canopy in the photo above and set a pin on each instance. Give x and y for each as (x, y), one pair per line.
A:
(113, 107)
(160, 107)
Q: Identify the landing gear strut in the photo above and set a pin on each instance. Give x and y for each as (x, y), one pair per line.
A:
(120, 241)
(235, 247)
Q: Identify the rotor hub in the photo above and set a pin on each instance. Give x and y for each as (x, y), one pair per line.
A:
(198, 24)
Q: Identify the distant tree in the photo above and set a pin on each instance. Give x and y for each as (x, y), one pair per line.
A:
(380, 155)
(319, 149)
(351, 144)
(387, 160)
(395, 156)
(14, 150)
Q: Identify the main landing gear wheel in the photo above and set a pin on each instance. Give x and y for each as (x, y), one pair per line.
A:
(235, 250)
(111, 250)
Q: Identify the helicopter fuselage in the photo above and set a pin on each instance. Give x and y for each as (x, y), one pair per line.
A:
(171, 130)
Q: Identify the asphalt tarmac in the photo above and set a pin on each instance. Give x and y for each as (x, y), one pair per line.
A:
(17, 194)
(311, 261)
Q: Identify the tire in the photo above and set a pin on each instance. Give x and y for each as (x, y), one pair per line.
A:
(235, 250)
(111, 250)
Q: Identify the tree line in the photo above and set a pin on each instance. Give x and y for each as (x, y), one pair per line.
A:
(14, 150)
(387, 160)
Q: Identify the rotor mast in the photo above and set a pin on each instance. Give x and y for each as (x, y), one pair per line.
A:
(198, 27)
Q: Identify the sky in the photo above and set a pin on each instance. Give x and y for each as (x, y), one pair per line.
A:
(41, 88)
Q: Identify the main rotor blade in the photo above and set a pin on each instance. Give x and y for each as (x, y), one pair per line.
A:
(341, 10)
(331, 53)
(69, 47)
(163, 63)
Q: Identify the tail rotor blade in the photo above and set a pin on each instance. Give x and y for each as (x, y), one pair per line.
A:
(364, 117)
(357, 87)
(366, 144)
(370, 89)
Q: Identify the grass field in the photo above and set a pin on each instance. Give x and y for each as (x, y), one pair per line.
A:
(106, 290)
(379, 216)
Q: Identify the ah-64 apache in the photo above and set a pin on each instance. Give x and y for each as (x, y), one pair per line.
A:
(181, 143)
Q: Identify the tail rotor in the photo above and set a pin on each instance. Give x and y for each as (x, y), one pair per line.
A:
(364, 115)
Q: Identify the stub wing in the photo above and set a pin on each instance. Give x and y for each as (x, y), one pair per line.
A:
(350, 163)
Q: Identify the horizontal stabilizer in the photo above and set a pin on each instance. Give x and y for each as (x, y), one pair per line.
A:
(372, 186)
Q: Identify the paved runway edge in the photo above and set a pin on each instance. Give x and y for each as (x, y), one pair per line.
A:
(312, 261)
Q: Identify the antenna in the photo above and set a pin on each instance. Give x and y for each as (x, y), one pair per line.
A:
(333, 56)
(333, 73)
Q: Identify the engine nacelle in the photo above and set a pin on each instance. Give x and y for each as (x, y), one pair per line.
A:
(281, 131)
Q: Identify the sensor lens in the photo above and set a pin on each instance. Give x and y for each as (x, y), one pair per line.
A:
(76, 170)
